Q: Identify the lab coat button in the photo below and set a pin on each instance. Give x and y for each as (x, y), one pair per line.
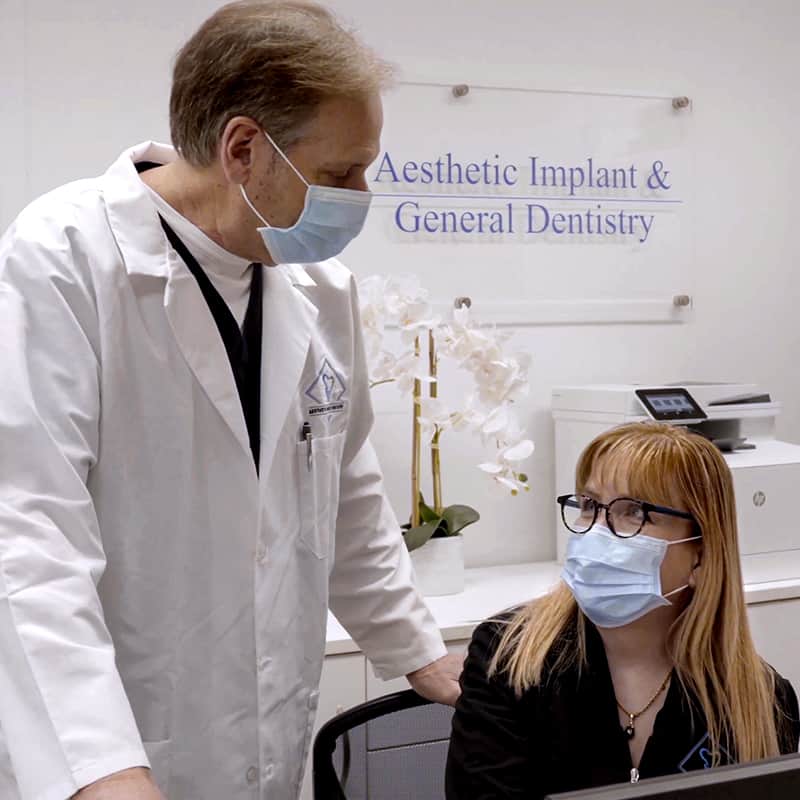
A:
(261, 553)
(252, 775)
(269, 772)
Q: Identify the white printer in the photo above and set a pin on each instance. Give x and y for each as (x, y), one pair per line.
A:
(740, 418)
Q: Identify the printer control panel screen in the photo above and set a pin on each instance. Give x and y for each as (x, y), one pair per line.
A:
(670, 405)
(671, 402)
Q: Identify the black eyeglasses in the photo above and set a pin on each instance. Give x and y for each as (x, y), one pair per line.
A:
(625, 516)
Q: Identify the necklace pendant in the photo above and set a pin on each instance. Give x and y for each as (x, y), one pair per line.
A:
(630, 731)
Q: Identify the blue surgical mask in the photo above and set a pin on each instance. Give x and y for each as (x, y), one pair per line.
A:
(616, 581)
(331, 218)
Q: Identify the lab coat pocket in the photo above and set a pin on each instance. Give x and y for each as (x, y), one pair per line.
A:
(319, 465)
(159, 755)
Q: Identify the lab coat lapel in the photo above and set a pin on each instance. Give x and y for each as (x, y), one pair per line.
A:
(197, 336)
(131, 214)
(289, 317)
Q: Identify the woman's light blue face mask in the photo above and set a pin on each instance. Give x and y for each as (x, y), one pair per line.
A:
(331, 218)
(616, 581)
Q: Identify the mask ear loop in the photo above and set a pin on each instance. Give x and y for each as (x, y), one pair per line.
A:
(681, 541)
(251, 206)
(675, 591)
(686, 585)
(284, 157)
(294, 169)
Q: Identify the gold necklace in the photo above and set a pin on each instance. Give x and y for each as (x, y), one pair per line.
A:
(630, 730)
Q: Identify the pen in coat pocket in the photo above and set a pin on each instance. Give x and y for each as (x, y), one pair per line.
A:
(306, 437)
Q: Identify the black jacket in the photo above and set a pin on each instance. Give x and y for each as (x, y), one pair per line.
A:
(565, 734)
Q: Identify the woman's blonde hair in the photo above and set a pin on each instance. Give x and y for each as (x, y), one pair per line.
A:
(710, 642)
(272, 60)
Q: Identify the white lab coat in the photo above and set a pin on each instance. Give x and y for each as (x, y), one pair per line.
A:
(159, 602)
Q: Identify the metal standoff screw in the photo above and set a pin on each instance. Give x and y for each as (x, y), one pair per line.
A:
(681, 102)
(460, 90)
(682, 300)
(759, 498)
(460, 302)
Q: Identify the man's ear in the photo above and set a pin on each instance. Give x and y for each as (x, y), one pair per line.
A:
(242, 141)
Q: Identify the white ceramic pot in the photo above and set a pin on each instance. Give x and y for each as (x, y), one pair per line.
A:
(439, 566)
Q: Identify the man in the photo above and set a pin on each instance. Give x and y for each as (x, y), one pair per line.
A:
(178, 503)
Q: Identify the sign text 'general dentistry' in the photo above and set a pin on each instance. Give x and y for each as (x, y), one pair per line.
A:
(538, 198)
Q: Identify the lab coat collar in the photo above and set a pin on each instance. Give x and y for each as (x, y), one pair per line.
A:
(131, 213)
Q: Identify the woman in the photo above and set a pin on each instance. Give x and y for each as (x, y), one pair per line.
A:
(640, 663)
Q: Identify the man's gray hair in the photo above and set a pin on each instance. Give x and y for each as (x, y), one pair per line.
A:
(272, 61)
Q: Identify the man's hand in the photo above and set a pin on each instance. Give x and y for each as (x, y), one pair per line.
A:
(130, 784)
(439, 680)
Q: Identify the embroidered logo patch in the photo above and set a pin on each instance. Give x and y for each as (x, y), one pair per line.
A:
(327, 391)
(701, 756)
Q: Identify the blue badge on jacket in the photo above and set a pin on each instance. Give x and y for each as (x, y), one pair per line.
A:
(701, 756)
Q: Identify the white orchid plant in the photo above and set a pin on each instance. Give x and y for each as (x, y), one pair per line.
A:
(500, 378)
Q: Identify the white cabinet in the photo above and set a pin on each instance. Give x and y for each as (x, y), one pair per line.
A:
(765, 501)
(774, 626)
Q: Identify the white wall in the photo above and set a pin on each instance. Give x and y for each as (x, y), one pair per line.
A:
(85, 79)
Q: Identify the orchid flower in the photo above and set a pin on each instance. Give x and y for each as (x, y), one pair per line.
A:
(434, 416)
(499, 376)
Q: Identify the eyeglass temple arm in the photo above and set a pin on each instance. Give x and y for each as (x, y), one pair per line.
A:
(672, 512)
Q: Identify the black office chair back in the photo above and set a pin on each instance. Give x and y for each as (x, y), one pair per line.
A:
(328, 784)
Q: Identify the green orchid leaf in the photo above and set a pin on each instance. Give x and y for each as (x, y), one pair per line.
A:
(458, 517)
(426, 513)
(416, 537)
